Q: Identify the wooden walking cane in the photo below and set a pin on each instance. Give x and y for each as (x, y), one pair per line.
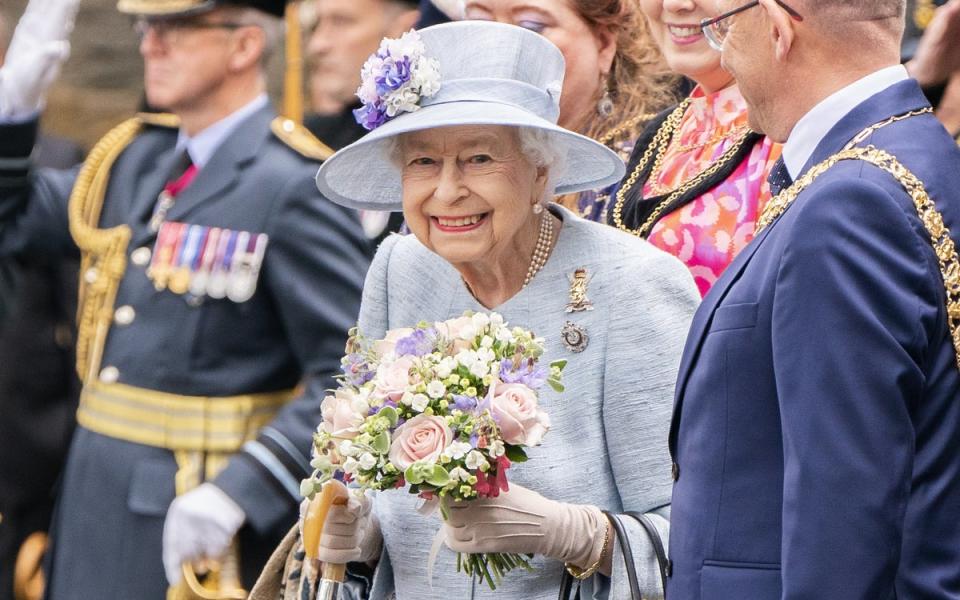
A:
(332, 575)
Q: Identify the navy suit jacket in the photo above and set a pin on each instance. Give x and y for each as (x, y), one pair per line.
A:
(816, 432)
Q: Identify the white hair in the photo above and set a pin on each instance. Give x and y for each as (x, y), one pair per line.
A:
(537, 145)
(272, 27)
(542, 150)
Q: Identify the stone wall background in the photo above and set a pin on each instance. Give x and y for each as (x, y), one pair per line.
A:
(102, 82)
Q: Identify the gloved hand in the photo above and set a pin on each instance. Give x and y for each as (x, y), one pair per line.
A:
(39, 47)
(351, 532)
(522, 521)
(938, 55)
(199, 524)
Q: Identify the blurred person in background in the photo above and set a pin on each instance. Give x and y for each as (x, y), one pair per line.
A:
(38, 389)
(697, 180)
(217, 287)
(346, 34)
(931, 52)
(615, 78)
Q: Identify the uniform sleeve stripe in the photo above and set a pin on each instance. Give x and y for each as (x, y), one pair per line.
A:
(274, 466)
(287, 446)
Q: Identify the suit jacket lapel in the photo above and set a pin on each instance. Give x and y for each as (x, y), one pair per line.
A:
(701, 323)
(223, 170)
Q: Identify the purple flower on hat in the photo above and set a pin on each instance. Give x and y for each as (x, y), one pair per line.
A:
(395, 79)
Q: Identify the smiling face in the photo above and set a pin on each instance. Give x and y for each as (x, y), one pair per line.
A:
(675, 25)
(468, 193)
(588, 53)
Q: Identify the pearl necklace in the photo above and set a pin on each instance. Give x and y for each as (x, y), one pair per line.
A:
(541, 252)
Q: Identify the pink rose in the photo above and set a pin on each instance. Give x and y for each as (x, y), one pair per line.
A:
(393, 378)
(343, 413)
(461, 328)
(516, 410)
(389, 341)
(422, 438)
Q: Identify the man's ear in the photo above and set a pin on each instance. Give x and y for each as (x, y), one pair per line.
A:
(403, 23)
(250, 45)
(782, 28)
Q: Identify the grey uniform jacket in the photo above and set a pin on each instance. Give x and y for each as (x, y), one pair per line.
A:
(109, 523)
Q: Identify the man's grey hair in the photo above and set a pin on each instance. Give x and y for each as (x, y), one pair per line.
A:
(847, 11)
(538, 146)
(272, 27)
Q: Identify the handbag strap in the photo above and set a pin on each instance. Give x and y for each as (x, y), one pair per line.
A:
(566, 583)
(662, 561)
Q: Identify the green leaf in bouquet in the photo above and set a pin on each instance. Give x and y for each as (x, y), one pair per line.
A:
(381, 443)
(555, 384)
(414, 475)
(438, 476)
(560, 364)
(390, 413)
(516, 454)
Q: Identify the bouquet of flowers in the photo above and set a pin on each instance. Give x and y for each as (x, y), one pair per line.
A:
(442, 408)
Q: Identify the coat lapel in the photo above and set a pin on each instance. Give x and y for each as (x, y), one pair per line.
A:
(701, 323)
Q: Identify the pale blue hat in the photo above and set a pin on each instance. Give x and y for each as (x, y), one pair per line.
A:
(462, 73)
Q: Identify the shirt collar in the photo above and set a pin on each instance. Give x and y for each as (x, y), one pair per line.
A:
(816, 124)
(202, 146)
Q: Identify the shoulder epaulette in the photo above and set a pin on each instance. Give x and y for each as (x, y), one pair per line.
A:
(299, 138)
(165, 120)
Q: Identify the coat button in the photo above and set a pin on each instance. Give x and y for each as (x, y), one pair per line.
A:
(141, 256)
(91, 274)
(124, 315)
(675, 470)
(110, 375)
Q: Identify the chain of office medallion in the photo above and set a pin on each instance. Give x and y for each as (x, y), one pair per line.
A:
(660, 144)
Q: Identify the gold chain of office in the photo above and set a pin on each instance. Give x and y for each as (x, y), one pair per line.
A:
(943, 244)
(659, 145)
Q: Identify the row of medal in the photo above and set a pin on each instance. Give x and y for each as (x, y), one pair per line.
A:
(207, 261)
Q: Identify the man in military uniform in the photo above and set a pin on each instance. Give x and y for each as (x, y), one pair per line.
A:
(214, 281)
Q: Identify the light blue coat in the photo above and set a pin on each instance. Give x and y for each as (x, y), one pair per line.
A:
(608, 443)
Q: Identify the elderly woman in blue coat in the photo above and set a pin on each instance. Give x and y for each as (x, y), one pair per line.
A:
(467, 147)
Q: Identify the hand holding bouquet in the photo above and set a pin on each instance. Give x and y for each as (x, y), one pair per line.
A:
(444, 409)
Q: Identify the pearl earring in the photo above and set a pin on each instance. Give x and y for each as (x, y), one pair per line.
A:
(605, 104)
(537, 208)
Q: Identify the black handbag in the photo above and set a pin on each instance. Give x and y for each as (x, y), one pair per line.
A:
(570, 587)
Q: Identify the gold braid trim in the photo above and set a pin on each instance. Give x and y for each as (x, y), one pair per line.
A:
(943, 244)
(299, 138)
(103, 259)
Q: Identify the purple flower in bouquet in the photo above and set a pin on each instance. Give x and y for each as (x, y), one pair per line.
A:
(418, 343)
(532, 376)
(356, 370)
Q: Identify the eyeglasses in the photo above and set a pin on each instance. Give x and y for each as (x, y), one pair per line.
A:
(169, 31)
(716, 29)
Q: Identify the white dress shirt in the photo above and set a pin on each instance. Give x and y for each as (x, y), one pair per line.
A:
(816, 124)
(202, 146)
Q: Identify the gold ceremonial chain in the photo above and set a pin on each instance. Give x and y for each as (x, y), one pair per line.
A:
(626, 127)
(660, 144)
(932, 219)
(103, 251)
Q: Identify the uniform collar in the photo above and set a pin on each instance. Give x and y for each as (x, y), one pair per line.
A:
(816, 124)
(202, 146)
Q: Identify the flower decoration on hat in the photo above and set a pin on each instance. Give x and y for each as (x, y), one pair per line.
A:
(395, 79)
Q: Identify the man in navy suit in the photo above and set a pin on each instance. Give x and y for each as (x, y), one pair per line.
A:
(816, 433)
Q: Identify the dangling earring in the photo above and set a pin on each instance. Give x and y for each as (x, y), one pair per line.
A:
(537, 208)
(605, 104)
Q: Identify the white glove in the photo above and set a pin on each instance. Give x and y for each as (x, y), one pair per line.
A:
(351, 532)
(522, 521)
(199, 524)
(40, 45)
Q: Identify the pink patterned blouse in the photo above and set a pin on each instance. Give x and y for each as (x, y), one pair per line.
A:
(708, 232)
